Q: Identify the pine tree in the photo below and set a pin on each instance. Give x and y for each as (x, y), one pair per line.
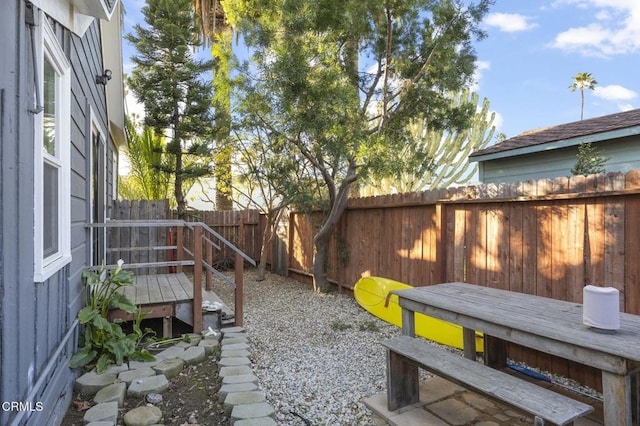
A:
(590, 161)
(167, 79)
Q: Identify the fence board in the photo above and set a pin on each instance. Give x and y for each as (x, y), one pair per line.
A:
(547, 237)
(515, 253)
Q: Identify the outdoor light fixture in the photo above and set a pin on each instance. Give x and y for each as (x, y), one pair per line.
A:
(104, 78)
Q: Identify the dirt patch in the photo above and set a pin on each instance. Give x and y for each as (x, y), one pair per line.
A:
(192, 399)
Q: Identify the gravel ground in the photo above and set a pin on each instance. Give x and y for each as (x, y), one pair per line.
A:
(316, 355)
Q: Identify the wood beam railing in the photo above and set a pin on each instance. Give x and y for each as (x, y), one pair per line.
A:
(200, 256)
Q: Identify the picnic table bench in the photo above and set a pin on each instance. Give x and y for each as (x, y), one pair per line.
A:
(548, 325)
(405, 354)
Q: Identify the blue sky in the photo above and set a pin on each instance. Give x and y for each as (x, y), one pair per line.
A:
(534, 48)
(532, 51)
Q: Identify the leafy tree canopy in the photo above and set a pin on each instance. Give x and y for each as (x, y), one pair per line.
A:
(338, 82)
(167, 79)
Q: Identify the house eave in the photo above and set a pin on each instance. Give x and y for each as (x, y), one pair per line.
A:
(559, 144)
(77, 15)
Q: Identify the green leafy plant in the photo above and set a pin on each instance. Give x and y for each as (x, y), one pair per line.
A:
(104, 341)
(589, 160)
(371, 326)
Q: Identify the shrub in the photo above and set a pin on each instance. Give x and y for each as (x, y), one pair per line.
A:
(103, 340)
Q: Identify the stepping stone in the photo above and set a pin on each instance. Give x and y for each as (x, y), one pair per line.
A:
(258, 421)
(235, 371)
(170, 367)
(232, 340)
(233, 362)
(172, 352)
(138, 373)
(234, 335)
(99, 424)
(235, 353)
(143, 416)
(193, 355)
(237, 387)
(209, 345)
(91, 382)
(242, 398)
(105, 412)
(251, 411)
(112, 393)
(232, 330)
(141, 387)
(235, 346)
(239, 378)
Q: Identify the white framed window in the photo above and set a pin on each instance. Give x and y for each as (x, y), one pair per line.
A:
(98, 173)
(52, 192)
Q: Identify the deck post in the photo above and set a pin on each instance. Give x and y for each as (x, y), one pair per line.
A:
(179, 246)
(197, 279)
(239, 296)
(208, 255)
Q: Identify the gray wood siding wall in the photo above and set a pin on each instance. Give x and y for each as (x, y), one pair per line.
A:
(35, 318)
(624, 155)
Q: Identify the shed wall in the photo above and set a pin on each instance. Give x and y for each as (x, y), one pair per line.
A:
(623, 154)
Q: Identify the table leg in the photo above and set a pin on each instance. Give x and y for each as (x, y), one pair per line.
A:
(469, 343)
(408, 323)
(616, 390)
(495, 352)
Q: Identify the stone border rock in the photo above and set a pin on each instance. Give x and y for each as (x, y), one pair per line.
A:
(243, 402)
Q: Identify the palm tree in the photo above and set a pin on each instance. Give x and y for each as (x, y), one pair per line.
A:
(216, 30)
(582, 80)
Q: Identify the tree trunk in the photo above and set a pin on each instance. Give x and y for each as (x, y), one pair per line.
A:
(269, 230)
(323, 236)
(320, 260)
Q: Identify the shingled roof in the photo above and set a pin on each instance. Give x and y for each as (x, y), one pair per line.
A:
(588, 127)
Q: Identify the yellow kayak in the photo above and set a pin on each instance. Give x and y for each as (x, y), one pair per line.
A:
(372, 292)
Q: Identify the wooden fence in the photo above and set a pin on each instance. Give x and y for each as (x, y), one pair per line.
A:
(227, 223)
(547, 237)
(140, 244)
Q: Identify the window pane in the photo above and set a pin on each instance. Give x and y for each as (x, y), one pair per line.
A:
(50, 210)
(49, 101)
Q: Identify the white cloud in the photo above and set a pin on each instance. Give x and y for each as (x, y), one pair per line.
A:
(626, 107)
(614, 92)
(615, 30)
(509, 22)
(477, 74)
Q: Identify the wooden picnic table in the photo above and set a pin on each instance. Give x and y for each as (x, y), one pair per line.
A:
(548, 325)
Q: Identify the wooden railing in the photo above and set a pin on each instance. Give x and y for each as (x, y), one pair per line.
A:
(205, 242)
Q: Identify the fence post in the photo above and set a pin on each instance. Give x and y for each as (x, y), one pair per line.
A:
(239, 279)
(197, 279)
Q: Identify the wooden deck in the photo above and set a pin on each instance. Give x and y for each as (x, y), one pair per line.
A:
(165, 296)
